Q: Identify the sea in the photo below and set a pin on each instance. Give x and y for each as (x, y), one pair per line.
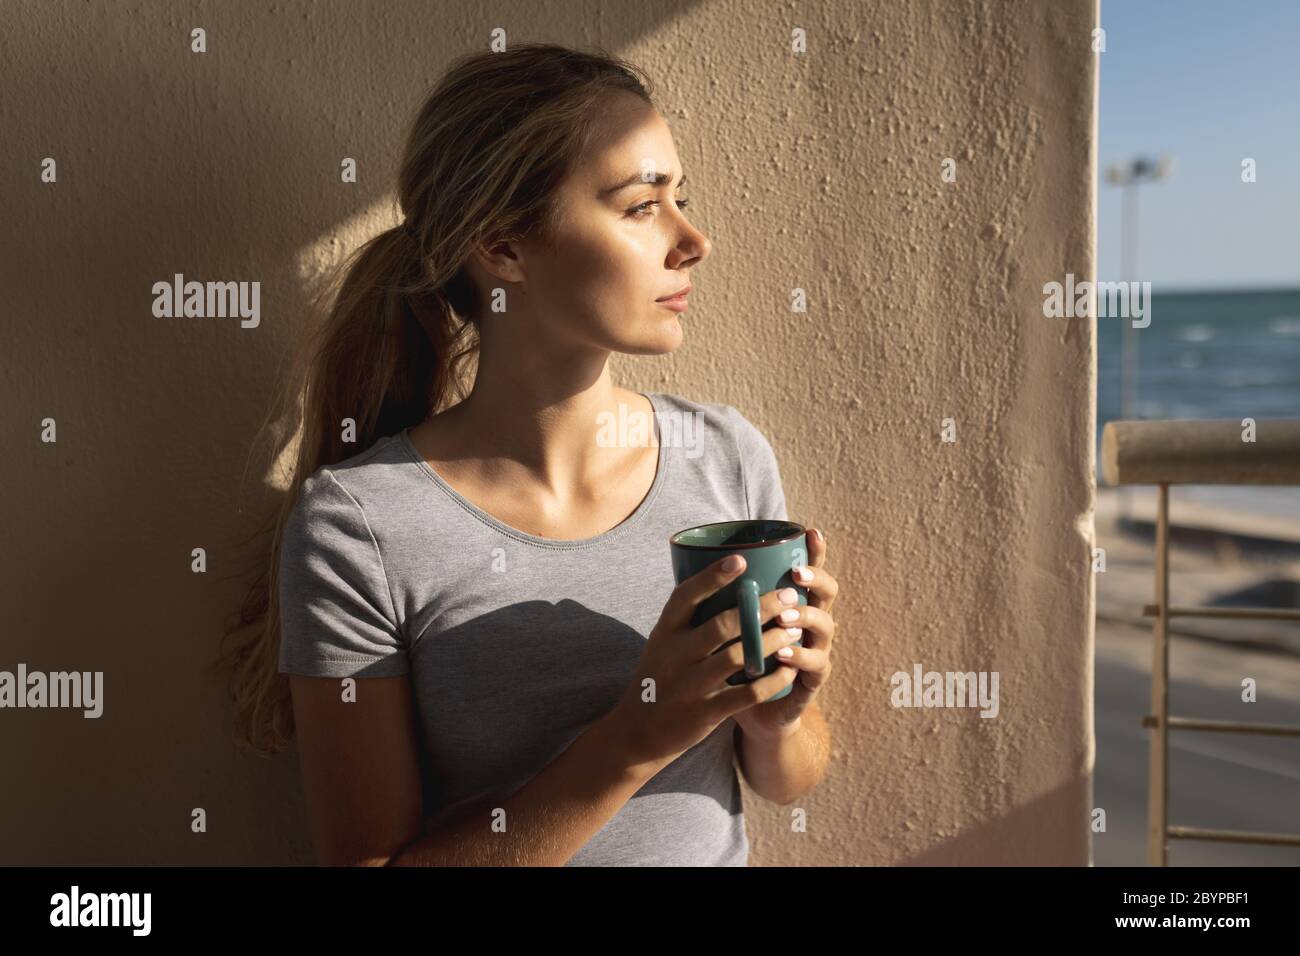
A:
(1231, 354)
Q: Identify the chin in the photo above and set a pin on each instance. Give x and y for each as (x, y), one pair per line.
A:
(667, 337)
(671, 335)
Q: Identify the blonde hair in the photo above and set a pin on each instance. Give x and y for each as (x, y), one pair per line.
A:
(481, 164)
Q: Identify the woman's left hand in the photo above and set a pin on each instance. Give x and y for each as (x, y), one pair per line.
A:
(778, 718)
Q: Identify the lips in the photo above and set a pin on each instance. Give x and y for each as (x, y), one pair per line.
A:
(679, 294)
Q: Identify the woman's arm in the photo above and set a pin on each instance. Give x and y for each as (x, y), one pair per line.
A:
(785, 766)
(360, 770)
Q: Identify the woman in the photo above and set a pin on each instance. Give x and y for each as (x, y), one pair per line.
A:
(492, 575)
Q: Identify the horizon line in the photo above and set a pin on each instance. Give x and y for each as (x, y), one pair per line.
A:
(1211, 290)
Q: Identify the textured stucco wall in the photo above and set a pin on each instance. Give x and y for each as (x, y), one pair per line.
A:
(818, 171)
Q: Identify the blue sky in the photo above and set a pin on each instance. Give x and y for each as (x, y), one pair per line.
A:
(1207, 83)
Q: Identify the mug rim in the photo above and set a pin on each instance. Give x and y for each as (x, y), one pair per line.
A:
(798, 530)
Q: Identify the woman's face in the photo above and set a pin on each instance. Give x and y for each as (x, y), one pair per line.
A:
(621, 243)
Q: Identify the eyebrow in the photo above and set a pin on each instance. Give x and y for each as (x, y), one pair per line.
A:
(635, 179)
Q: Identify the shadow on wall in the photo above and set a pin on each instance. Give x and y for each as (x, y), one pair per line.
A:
(1029, 836)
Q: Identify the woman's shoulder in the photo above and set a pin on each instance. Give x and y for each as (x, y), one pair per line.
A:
(689, 416)
(730, 447)
(365, 475)
(381, 452)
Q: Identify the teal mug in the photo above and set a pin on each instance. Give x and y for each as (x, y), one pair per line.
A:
(771, 549)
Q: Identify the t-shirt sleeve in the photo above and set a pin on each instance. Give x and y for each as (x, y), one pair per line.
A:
(337, 617)
(761, 474)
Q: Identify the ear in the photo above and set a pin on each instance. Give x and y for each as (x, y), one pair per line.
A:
(501, 260)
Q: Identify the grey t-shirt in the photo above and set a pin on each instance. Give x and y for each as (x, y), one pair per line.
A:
(515, 644)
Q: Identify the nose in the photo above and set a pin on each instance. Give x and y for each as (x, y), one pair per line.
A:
(692, 247)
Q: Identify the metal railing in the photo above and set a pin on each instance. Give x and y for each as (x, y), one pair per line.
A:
(1195, 452)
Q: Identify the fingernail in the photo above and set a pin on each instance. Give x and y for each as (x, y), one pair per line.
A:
(788, 595)
(789, 615)
(732, 563)
(785, 652)
(795, 632)
(803, 574)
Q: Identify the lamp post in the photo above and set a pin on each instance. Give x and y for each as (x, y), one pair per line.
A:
(1131, 175)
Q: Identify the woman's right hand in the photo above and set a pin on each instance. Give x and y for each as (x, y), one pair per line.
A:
(690, 693)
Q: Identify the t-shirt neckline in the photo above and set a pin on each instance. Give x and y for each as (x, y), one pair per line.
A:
(661, 469)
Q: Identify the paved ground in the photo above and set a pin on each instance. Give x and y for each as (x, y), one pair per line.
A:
(1230, 781)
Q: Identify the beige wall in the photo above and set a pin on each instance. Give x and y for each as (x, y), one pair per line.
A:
(818, 171)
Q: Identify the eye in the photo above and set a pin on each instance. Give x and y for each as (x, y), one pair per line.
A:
(636, 212)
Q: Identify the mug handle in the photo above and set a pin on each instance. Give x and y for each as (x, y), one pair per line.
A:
(751, 628)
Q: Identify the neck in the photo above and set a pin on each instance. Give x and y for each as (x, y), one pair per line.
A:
(559, 428)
